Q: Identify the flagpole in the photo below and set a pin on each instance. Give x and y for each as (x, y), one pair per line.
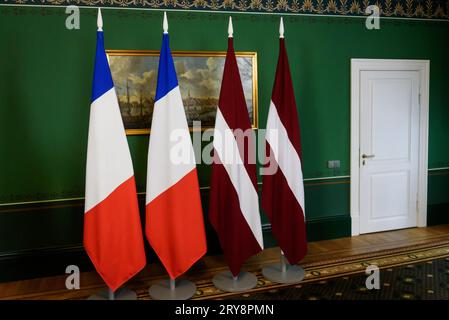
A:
(227, 281)
(171, 289)
(230, 28)
(121, 293)
(283, 264)
(283, 272)
(111, 295)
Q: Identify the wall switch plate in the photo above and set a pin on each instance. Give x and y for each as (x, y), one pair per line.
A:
(332, 164)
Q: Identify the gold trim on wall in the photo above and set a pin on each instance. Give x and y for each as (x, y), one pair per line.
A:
(245, 54)
(403, 9)
(308, 182)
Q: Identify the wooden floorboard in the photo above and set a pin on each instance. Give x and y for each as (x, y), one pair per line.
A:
(319, 252)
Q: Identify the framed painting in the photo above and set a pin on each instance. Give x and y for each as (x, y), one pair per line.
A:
(199, 77)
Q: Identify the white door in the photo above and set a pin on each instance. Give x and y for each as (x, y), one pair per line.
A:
(389, 149)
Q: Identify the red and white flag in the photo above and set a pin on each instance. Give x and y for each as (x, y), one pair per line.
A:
(174, 216)
(112, 230)
(283, 192)
(234, 203)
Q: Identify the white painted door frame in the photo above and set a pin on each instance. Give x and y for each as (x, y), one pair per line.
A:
(358, 65)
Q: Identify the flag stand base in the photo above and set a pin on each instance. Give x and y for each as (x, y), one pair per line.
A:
(120, 294)
(284, 272)
(225, 281)
(172, 290)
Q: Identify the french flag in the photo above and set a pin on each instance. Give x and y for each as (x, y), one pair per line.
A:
(174, 216)
(112, 230)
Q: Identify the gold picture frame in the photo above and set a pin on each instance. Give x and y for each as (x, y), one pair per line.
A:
(135, 75)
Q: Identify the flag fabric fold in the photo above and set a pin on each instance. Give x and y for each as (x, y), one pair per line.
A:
(112, 230)
(234, 207)
(174, 219)
(283, 192)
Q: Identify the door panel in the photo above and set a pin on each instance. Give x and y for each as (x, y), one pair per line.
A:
(389, 195)
(389, 132)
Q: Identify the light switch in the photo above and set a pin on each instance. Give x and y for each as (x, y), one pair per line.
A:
(333, 164)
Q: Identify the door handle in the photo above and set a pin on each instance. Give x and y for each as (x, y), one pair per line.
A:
(366, 156)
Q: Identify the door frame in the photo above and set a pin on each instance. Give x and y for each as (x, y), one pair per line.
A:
(423, 67)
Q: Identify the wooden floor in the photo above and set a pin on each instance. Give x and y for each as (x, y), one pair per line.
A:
(319, 252)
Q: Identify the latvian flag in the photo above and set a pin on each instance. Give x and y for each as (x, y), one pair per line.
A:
(112, 230)
(174, 218)
(234, 203)
(283, 192)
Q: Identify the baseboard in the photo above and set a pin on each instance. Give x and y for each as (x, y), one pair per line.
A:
(50, 261)
(42, 262)
(437, 214)
(355, 225)
(326, 228)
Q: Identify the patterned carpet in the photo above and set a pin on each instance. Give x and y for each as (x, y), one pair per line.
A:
(426, 280)
(413, 272)
(420, 272)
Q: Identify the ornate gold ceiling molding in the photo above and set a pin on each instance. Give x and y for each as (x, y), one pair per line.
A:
(411, 9)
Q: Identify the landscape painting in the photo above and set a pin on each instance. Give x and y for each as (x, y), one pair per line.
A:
(199, 77)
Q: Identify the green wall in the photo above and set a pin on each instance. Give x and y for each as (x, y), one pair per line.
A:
(45, 84)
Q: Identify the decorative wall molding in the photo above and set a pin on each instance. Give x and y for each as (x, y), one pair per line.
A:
(10, 202)
(410, 9)
(69, 197)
